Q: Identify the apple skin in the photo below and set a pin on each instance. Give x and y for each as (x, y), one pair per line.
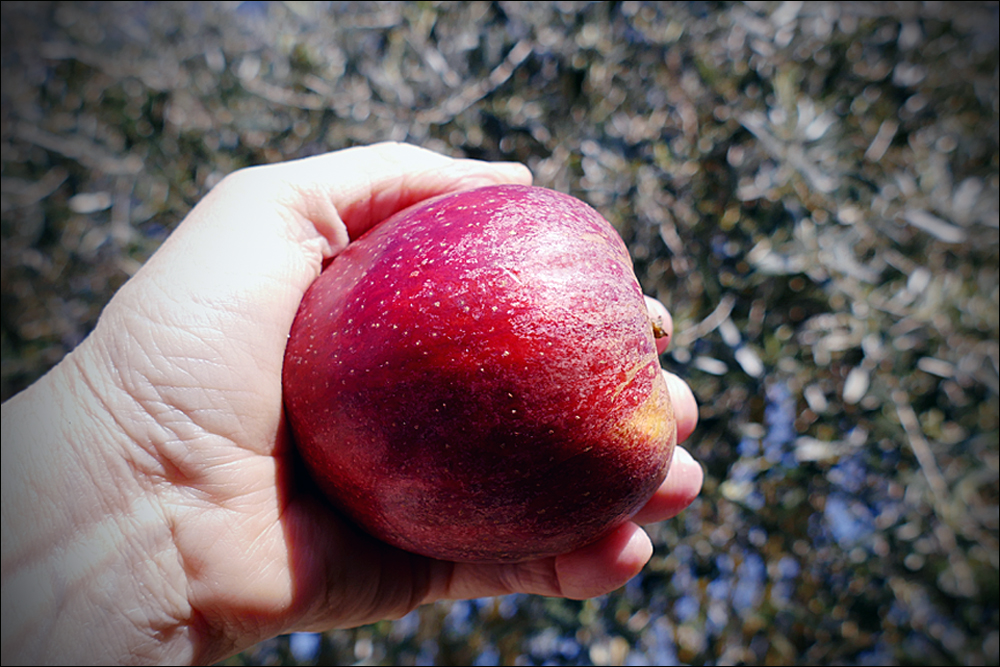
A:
(476, 378)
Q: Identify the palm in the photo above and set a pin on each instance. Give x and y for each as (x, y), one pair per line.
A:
(205, 363)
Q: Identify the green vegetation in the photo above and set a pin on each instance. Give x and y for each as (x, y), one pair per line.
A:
(812, 189)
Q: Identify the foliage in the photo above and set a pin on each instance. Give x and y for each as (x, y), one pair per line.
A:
(811, 188)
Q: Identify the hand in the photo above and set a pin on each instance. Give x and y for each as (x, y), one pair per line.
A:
(152, 508)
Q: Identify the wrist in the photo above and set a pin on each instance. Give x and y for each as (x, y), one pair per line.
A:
(89, 568)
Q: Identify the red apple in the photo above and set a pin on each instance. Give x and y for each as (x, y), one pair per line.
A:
(476, 378)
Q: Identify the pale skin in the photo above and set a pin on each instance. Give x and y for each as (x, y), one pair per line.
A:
(153, 510)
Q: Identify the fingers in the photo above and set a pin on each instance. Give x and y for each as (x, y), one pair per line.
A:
(604, 565)
(593, 570)
(679, 489)
(617, 557)
(685, 477)
(685, 405)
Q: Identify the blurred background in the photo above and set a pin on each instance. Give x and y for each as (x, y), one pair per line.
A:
(811, 188)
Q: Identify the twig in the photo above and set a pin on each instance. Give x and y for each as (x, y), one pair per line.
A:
(921, 449)
(709, 324)
(459, 103)
(964, 581)
(82, 150)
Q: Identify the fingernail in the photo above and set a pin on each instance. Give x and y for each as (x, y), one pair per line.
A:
(683, 458)
(515, 171)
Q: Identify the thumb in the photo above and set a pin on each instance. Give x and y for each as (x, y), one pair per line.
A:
(277, 223)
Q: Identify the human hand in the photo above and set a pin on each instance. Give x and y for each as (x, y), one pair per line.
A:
(159, 452)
